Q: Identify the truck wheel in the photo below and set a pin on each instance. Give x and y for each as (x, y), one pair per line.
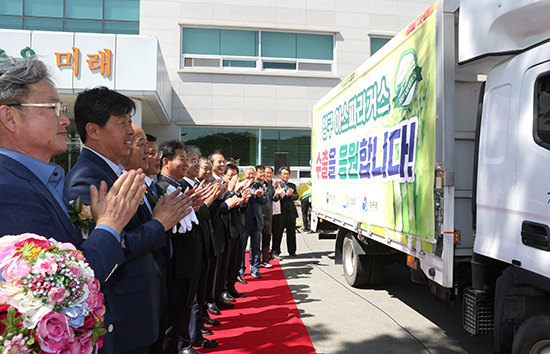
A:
(533, 336)
(364, 270)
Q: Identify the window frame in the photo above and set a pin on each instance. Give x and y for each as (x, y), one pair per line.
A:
(536, 108)
(23, 17)
(188, 58)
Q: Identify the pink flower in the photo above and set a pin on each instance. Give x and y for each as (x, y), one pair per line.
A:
(48, 265)
(78, 255)
(71, 348)
(16, 345)
(57, 295)
(64, 246)
(4, 297)
(14, 268)
(54, 333)
(85, 341)
(39, 241)
(77, 272)
(6, 252)
(95, 298)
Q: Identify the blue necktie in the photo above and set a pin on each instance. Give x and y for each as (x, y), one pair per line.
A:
(153, 189)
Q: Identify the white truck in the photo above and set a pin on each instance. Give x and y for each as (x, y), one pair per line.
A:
(436, 153)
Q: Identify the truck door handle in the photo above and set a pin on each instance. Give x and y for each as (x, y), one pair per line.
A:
(535, 235)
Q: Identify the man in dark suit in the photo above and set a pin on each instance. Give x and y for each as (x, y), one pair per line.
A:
(194, 329)
(254, 222)
(103, 120)
(220, 226)
(151, 163)
(272, 195)
(288, 215)
(188, 255)
(231, 175)
(32, 131)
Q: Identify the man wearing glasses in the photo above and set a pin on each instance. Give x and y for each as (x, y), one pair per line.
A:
(33, 130)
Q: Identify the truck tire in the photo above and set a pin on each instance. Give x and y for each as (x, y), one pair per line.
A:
(533, 336)
(364, 270)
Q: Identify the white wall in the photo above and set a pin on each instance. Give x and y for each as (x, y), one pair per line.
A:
(265, 100)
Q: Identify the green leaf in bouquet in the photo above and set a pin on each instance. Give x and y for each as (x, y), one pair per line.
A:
(78, 205)
(26, 250)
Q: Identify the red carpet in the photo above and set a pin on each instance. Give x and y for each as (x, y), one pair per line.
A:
(265, 321)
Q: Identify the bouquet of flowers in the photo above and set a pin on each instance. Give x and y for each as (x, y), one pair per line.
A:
(50, 300)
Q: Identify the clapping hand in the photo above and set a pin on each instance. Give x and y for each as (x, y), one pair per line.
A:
(233, 201)
(246, 194)
(117, 207)
(211, 193)
(258, 193)
(232, 183)
(279, 190)
(243, 185)
(172, 208)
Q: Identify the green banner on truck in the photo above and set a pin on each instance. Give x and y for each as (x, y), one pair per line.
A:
(373, 138)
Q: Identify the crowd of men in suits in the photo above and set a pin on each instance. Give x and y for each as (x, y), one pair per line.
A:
(161, 276)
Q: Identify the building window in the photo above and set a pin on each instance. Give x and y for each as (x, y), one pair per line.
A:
(95, 16)
(376, 43)
(236, 143)
(256, 50)
(295, 142)
(250, 147)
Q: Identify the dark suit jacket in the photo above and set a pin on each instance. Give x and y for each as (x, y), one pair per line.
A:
(162, 257)
(189, 254)
(219, 211)
(288, 209)
(132, 294)
(254, 217)
(26, 205)
(236, 221)
(203, 215)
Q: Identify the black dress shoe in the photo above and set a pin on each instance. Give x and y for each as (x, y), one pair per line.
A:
(206, 331)
(210, 322)
(235, 293)
(241, 280)
(227, 297)
(188, 351)
(206, 343)
(224, 304)
(213, 309)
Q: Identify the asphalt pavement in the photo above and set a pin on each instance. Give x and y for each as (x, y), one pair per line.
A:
(397, 317)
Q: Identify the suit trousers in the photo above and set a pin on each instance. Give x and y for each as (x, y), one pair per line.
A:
(289, 224)
(192, 330)
(266, 239)
(183, 294)
(277, 230)
(221, 272)
(213, 265)
(254, 257)
(235, 256)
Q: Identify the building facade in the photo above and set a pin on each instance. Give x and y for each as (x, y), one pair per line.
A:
(243, 75)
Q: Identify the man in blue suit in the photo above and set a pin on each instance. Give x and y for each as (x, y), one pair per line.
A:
(132, 294)
(32, 131)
